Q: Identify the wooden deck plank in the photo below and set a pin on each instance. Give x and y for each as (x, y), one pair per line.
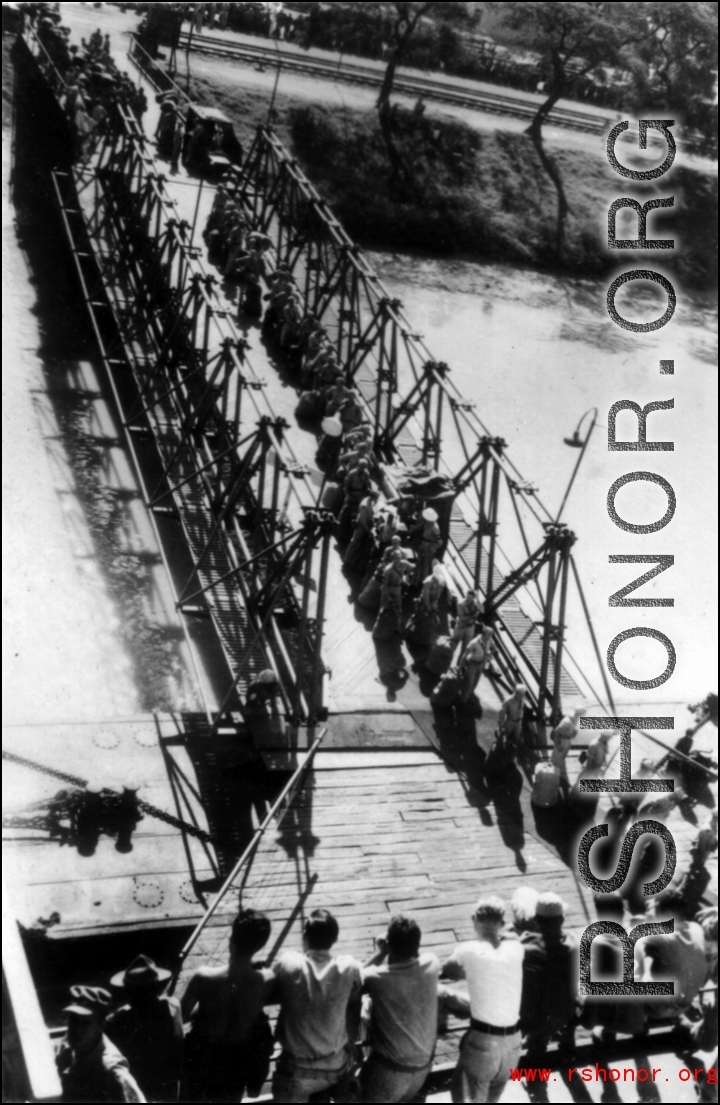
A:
(419, 840)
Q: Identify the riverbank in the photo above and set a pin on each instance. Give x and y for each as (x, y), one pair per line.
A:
(480, 195)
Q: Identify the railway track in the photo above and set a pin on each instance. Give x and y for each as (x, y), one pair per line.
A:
(354, 72)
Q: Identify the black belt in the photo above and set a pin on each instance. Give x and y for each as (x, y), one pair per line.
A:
(494, 1029)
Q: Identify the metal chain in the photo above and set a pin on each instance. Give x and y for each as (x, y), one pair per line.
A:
(51, 771)
(178, 823)
(146, 807)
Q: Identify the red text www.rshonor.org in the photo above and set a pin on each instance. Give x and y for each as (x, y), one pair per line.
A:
(614, 1074)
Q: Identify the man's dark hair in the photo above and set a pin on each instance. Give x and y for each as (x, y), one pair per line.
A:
(403, 937)
(609, 907)
(672, 903)
(321, 930)
(250, 931)
(549, 924)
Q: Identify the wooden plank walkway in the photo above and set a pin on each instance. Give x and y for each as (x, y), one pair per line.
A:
(369, 840)
(379, 832)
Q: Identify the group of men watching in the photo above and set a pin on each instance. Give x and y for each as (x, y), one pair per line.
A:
(514, 982)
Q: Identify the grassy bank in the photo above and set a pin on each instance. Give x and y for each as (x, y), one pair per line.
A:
(476, 194)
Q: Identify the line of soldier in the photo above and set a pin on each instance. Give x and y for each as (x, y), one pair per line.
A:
(346, 448)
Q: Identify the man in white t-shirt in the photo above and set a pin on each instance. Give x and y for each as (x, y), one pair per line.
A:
(492, 964)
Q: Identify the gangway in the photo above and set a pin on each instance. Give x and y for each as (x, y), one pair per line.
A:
(260, 544)
(420, 418)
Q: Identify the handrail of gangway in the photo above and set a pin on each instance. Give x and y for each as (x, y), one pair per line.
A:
(247, 854)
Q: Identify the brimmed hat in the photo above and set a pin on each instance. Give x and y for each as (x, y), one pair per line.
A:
(429, 514)
(550, 904)
(142, 972)
(88, 1000)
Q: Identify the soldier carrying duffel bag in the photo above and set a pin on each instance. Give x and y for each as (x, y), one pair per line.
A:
(440, 658)
(546, 786)
(447, 692)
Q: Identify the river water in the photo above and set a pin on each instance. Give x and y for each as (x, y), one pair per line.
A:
(535, 352)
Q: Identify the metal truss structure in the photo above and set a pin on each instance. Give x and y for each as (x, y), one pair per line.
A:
(421, 419)
(208, 449)
(222, 462)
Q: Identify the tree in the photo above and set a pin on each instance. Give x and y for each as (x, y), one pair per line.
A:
(679, 64)
(422, 34)
(404, 18)
(667, 48)
(573, 40)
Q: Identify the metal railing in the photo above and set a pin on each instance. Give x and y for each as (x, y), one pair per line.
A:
(275, 815)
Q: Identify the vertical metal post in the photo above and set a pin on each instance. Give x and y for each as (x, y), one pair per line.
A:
(257, 528)
(183, 265)
(426, 400)
(482, 516)
(275, 490)
(560, 638)
(206, 328)
(356, 317)
(239, 385)
(308, 260)
(393, 361)
(315, 704)
(382, 372)
(494, 496)
(438, 424)
(341, 311)
(543, 694)
(302, 636)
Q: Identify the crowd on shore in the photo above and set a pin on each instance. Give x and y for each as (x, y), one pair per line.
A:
(368, 1032)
